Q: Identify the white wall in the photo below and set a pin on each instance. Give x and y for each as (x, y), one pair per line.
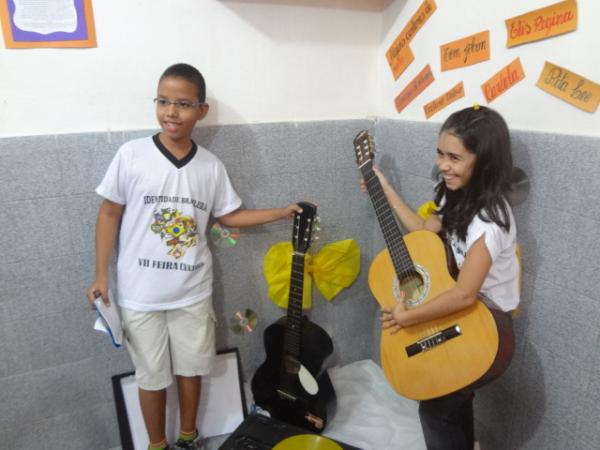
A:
(524, 106)
(284, 60)
(263, 60)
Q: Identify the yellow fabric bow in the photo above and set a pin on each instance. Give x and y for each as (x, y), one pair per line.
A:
(333, 268)
(426, 209)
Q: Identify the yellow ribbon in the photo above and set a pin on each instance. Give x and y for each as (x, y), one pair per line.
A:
(333, 268)
(426, 209)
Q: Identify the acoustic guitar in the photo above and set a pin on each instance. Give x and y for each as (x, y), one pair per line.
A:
(290, 383)
(465, 349)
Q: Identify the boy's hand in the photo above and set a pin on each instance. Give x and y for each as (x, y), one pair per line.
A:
(288, 211)
(99, 288)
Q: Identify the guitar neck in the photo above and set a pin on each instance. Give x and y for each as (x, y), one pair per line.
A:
(293, 329)
(389, 226)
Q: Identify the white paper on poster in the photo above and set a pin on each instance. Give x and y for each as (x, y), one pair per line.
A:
(221, 407)
(45, 16)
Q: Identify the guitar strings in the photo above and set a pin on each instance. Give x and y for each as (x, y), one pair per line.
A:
(398, 251)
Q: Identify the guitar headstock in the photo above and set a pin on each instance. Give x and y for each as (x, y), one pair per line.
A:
(304, 227)
(364, 147)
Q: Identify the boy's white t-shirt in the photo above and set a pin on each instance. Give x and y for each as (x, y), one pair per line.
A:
(164, 261)
(502, 282)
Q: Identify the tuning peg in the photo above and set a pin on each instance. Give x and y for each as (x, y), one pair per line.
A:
(373, 144)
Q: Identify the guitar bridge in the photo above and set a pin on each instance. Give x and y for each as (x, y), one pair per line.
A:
(433, 341)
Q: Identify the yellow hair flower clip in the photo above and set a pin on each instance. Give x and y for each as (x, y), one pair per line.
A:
(476, 106)
(426, 210)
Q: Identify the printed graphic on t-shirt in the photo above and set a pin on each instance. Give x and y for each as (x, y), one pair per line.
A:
(177, 231)
(459, 250)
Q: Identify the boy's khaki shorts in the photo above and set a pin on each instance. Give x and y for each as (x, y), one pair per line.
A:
(163, 343)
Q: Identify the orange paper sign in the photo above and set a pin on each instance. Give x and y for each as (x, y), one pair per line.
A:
(542, 23)
(466, 51)
(503, 80)
(401, 61)
(414, 88)
(569, 86)
(442, 101)
(399, 48)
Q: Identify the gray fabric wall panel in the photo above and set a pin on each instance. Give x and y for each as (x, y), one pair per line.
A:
(29, 168)
(569, 251)
(406, 146)
(55, 371)
(588, 425)
(567, 324)
(39, 287)
(21, 220)
(92, 427)
(81, 157)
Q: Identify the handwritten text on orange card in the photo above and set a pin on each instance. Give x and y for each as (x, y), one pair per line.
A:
(569, 86)
(401, 61)
(542, 23)
(414, 88)
(466, 51)
(409, 31)
(444, 100)
(503, 80)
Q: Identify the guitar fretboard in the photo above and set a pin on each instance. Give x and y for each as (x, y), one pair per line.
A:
(293, 331)
(392, 234)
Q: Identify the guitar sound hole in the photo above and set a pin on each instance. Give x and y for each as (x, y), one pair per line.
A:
(412, 289)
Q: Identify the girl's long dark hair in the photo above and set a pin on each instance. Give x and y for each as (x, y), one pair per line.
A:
(484, 133)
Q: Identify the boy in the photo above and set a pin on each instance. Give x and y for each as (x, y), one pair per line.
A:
(160, 191)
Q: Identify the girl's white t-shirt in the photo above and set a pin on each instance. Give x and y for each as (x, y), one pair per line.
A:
(502, 282)
(164, 261)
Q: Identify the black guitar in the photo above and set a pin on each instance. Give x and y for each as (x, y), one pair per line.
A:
(290, 383)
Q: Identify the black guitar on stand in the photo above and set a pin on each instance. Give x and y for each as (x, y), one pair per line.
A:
(290, 384)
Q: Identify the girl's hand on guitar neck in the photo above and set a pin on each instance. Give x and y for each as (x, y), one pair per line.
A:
(391, 317)
(385, 184)
(410, 220)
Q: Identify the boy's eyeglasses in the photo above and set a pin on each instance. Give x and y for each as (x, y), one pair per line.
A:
(179, 104)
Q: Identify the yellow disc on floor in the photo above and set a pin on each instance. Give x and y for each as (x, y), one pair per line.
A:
(307, 442)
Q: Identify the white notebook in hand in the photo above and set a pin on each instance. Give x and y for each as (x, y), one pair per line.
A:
(109, 321)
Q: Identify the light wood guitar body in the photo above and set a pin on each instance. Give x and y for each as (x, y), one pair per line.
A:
(444, 367)
(465, 349)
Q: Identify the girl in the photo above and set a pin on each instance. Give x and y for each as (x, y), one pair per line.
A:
(475, 164)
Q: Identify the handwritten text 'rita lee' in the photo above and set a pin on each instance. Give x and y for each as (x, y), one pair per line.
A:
(558, 78)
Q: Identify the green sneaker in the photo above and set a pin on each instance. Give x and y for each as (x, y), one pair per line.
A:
(196, 444)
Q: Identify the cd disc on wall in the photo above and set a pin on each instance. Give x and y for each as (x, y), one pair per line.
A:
(243, 322)
(224, 237)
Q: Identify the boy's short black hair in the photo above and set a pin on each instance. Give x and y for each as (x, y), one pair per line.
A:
(189, 73)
